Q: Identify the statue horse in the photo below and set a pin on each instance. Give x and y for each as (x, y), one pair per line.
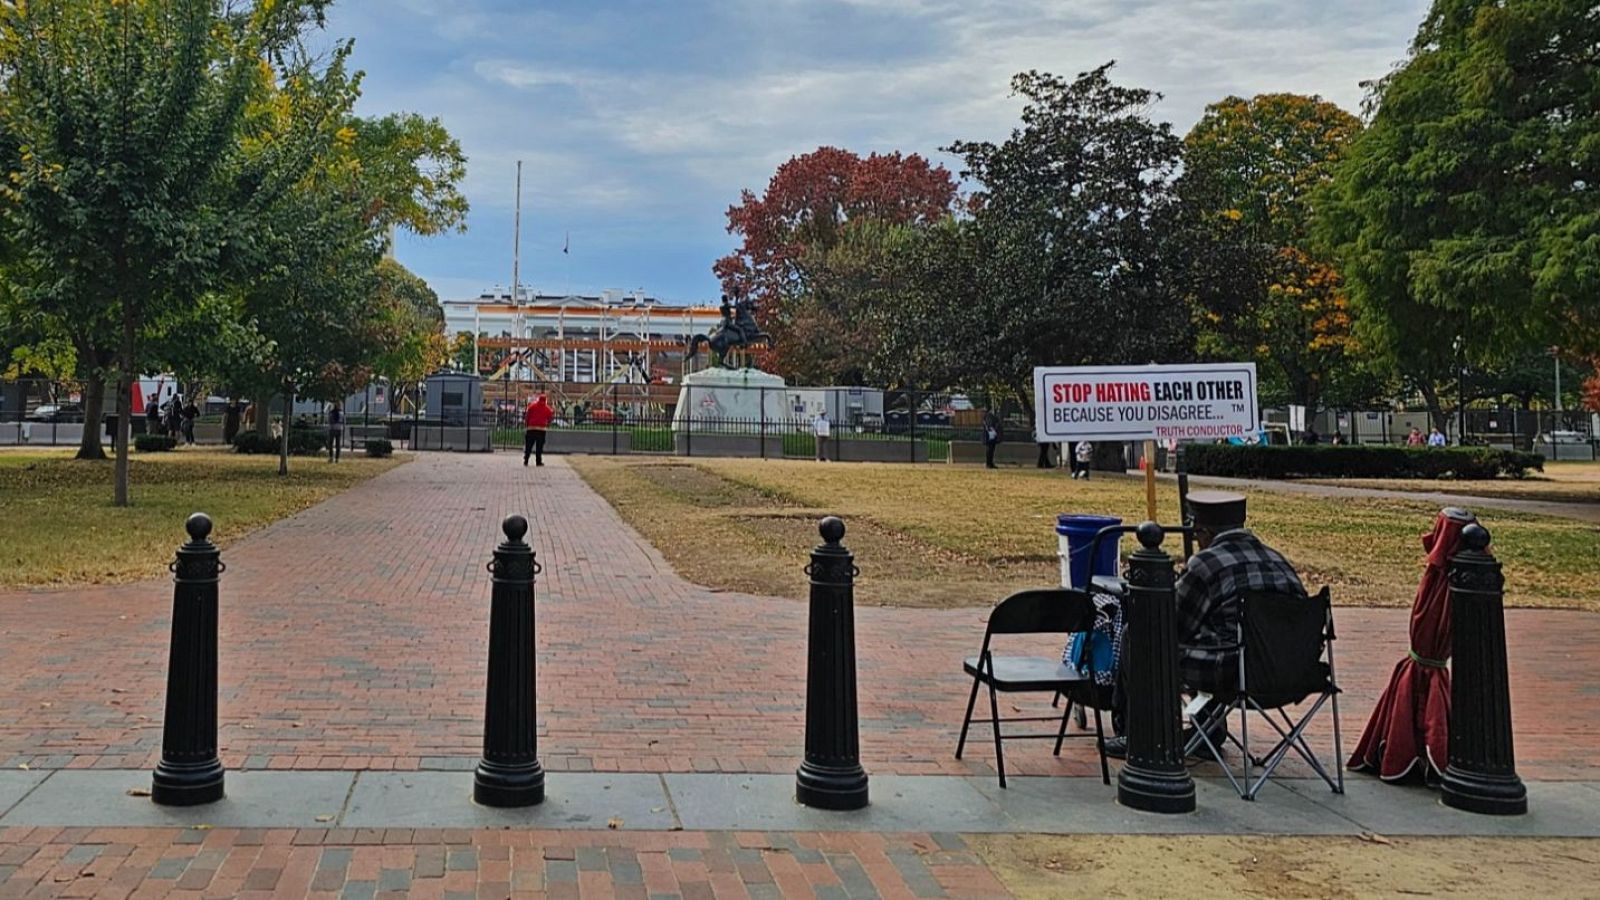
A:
(738, 331)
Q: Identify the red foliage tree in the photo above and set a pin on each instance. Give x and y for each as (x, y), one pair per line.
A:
(808, 205)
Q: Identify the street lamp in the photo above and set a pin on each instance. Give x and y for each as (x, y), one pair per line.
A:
(1460, 345)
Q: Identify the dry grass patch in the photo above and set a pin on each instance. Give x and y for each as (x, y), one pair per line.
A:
(1347, 868)
(732, 536)
(967, 535)
(59, 527)
(1561, 482)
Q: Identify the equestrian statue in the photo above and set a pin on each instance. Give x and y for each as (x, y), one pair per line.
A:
(738, 331)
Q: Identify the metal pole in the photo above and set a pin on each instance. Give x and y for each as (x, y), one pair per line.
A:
(1184, 518)
(1481, 776)
(1155, 778)
(190, 772)
(831, 776)
(614, 416)
(509, 773)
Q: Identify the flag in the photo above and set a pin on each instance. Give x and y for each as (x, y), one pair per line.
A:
(567, 244)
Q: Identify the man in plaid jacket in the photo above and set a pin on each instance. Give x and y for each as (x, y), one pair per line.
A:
(1231, 561)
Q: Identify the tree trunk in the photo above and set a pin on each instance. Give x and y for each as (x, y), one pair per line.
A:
(128, 371)
(94, 403)
(263, 405)
(230, 420)
(283, 442)
(1436, 413)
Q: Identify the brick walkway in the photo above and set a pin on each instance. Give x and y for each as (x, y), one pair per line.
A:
(150, 863)
(353, 637)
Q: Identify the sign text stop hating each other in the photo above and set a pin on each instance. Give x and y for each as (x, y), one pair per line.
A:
(1201, 401)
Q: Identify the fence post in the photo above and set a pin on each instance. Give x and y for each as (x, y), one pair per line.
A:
(1482, 774)
(509, 773)
(615, 414)
(1155, 778)
(190, 772)
(911, 401)
(831, 776)
(762, 399)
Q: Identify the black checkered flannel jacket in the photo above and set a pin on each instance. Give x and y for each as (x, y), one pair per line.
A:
(1208, 603)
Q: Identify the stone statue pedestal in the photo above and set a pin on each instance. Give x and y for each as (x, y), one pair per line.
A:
(732, 401)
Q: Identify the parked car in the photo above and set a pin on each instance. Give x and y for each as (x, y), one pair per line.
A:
(52, 412)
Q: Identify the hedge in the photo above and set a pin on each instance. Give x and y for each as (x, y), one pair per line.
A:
(1328, 461)
(379, 448)
(153, 442)
(302, 442)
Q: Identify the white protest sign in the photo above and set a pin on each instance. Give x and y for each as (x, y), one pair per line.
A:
(1195, 401)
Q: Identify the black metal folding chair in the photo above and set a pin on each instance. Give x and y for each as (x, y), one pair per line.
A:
(1285, 644)
(1043, 611)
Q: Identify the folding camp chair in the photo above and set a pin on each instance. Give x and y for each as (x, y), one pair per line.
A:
(1044, 611)
(1285, 644)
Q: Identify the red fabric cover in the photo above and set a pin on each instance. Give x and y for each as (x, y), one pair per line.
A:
(1411, 724)
(539, 414)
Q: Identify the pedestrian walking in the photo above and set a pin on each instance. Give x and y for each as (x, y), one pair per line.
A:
(992, 436)
(190, 414)
(335, 432)
(1435, 437)
(1082, 455)
(821, 430)
(174, 420)
(152, 417)
(535, 420)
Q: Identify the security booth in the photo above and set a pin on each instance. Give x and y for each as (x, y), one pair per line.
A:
(455, 418)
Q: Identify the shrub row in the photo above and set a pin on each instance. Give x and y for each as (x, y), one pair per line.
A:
(1327, 461)
(379, 448)
(153, 442)
(302, 442)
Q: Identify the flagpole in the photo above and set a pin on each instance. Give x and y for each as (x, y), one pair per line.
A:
(517, 323)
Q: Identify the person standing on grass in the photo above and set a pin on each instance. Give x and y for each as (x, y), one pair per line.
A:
(821, 430)
(190, 413)
(992, 435)
(535, 421)
(1414, 439)
(335, 432)
(1082, 454)
(1436, 437)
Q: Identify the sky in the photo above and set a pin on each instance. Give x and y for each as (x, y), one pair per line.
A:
(638, 122)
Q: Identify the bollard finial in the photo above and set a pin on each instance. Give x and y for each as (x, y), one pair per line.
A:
(1475, 537)
(199, 527)
(1150, 535)
(515, 527)
(831, 529)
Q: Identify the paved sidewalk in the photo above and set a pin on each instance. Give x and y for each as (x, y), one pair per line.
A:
(353, 638)
(460, 863)
(712, 802)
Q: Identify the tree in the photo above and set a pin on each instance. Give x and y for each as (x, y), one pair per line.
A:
(1467, 207)
(1251, 170)
(793, 232)
(125, 119)
(1072, 236)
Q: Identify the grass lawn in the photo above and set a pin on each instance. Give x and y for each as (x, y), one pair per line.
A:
(935, 535)
(1561, 482)
(60, 527)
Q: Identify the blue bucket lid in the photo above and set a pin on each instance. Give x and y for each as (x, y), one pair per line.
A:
(1083, 522)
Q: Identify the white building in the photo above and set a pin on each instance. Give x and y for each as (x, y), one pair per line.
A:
(615, 335)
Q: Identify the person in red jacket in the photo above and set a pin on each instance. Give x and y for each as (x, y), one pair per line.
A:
(536, 420)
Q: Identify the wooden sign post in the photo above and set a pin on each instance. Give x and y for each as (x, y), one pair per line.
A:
(1150, 481)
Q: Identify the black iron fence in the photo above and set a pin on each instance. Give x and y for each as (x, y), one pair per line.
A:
(762, 421)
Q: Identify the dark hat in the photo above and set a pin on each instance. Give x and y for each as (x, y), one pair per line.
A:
(1217, 510)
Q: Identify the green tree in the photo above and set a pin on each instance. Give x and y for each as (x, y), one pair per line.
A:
(1073, 231)
(1467, 208)
(1251, 170)
(125, 119)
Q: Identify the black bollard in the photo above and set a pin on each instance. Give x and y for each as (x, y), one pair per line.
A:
(1482, 774)
(509, 773)
(190, 772)
(1154, 779)
(831, 776)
